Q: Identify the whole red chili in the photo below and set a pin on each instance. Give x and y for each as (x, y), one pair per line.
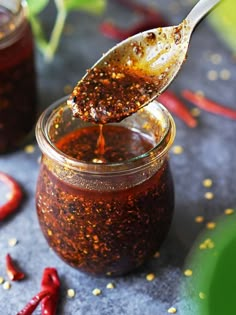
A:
(15, 198)
(151, 18)
(177, 107)
(13, 272)
(48, 295)
(209, 105)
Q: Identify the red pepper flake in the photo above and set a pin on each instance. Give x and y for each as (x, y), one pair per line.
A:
(177, 107)
(151, 18)
(48, 296)
(15, 197)
(13, 272)
(209, 105)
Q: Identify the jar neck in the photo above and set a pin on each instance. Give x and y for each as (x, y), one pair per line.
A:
(12, 21)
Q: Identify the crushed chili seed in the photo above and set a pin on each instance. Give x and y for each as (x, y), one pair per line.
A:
(150, 277)
(12, 242)
(172, 310)
(177, 149)
(229, 211)
(202, 295)
(110, 285)
(199, 219)
(97, 292)
(6, 285)
(216, 59)
(209, 195)
(210, 225)
(207, 182)
(188, 273)
(29, 149)
(71, 293)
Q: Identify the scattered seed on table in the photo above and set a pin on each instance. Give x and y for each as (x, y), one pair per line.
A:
(1, 280)
(202, 295)
(210, 225)
(207, 182)
(199, 219)
(209, 195)
(150, 277)
(6, 285)
(12, 242)
(207, 244)
(188, 272)
(229, 211)
(71, 293)
(195, 111)
(177, 149)
(96, 291)
(29, 149)
(216, 59)
(225, 74)
(110, 285)
(172, 310)
(212, 75)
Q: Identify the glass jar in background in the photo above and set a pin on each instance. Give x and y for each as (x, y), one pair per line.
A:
(107, 215)
(17, 76)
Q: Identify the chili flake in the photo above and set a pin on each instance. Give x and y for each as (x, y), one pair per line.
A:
(150, 277)
(71, 293)
(211, 225)
(97, 292)
(110, 285)
(172, 310)
(229, 211)
(209, 195)
(188, 272)
(207, 182)
(6, 285)
(199, 219)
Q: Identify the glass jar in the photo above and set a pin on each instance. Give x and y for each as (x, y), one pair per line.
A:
(105, 218)
(17, 75)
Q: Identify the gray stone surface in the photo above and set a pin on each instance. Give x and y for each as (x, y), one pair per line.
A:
(209, 151)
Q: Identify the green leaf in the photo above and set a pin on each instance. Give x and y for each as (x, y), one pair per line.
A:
(36, 6)
(92, 6)
(224, 22)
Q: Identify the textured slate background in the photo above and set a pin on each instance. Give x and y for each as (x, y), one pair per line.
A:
(209, 151)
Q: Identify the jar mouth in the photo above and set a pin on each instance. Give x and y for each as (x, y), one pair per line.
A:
(45, 138)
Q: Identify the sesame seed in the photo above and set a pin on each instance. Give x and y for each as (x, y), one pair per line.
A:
(202, 295)
(177, 149)
(229, 211)
(96, 292)
(1, 280)
(212, 75)
(150, 277)
(12, 242)
(207, 182)
(188, 272)
(157, 255)
(195, 112)
(209, 195)
(172, 310)
(6, 285)
(199, 219)
(71, 293)
(225, 74)
(110, 285)
(29, 149)
(216, 59)
(210, 225)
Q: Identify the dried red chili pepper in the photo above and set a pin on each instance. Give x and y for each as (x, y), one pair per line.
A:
(177, 107)
(151, 19)
(51, 283)
(13, 272)
(209, 105)
(33, 303)
(15, 198)
(48, 295)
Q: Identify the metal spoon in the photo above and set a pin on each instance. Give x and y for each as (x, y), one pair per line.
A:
(135, 71)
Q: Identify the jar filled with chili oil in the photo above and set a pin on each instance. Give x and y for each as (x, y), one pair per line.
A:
(17, 75)
(105, 195)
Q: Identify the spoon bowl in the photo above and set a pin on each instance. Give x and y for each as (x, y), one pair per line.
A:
(134, 72)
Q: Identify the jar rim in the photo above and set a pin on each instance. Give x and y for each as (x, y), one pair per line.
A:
(49, 149)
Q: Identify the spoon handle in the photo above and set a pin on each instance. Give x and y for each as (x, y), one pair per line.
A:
(199, 10)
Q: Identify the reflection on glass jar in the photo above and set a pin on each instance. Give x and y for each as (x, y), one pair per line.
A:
(17, 76)
(105, 196)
